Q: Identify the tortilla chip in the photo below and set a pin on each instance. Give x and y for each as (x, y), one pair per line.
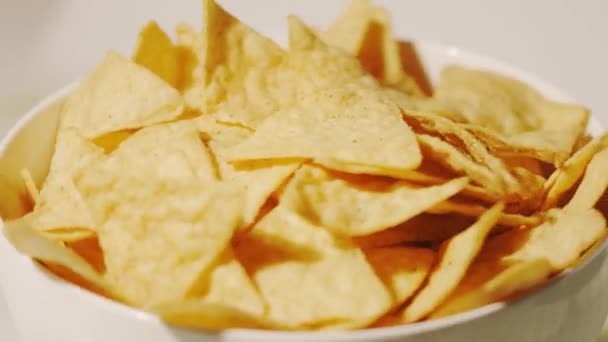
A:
(565, 177)
(30, 185)
(32, 243)
(497, 286)
(457, 255)
(514, 110)
(421, 228)
(156, 52)
(258, 180)
(561, 238)
(517, 183)
(401, 269)
(365, 31)
(193, 313)
(162, 217)
(309, 278)
(475, 210)
(593, 185)
(335, 124)
(190, 51)
(360, 205)
(117, 95)
(449, 156)
(241, 84)
(61, 212)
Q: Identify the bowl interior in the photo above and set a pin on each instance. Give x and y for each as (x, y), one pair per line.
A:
(30, 145)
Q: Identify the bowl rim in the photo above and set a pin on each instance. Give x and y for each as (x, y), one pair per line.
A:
(405, 330)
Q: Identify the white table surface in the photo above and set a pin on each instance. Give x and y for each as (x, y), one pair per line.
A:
(45, 44)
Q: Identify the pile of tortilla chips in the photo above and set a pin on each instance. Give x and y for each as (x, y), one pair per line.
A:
(221, 181)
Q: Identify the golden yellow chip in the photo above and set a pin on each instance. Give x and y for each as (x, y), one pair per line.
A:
(190, 54)
(561, 238)
(222, 182)
(349, 30)
(565, 177)
(163, 219)
(191, 40)
(228, 300)
(30, 185)
(308, 278)
(240, 82)
(532, 165)
(258, 180)
(532, 144)
(495, 286)
(110, 141)
(60, 212)
(360, 205)
(449, 156)
(593, 185)
(32, 243)
(228, 284)
(401, 269)
(156, 52)
(117, 95)
(456, 256)
(365, 31)
(421, 228)
(320, 136)
(514, 110)
(193, 313)
(516, 184)
(336, 124)
(317, 65)
(475, 210)
(72, 153)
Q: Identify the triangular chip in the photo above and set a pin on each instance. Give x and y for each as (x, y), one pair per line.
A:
(360, 205)
(190, 52)
(239, 66)
(258, 180)
(364, 31)
(517, 112)
(476, 210)
(484, 285)
(470, 155)
(451, 157)
(162, 217)
(308, 278)
(335, 127)
(156, 52)
(30, 185)
(401, 269)
(566, 176)
(561, 239)
(593, 185)
(193, 313)
(332, 121)
(61, 212)
(228, 284)
(318, 65)
(117, 95)
(229, 300)
(34, 244)
(456, 256)
(422, 228)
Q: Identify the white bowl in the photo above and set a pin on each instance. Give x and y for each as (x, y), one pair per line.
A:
(571, 308)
